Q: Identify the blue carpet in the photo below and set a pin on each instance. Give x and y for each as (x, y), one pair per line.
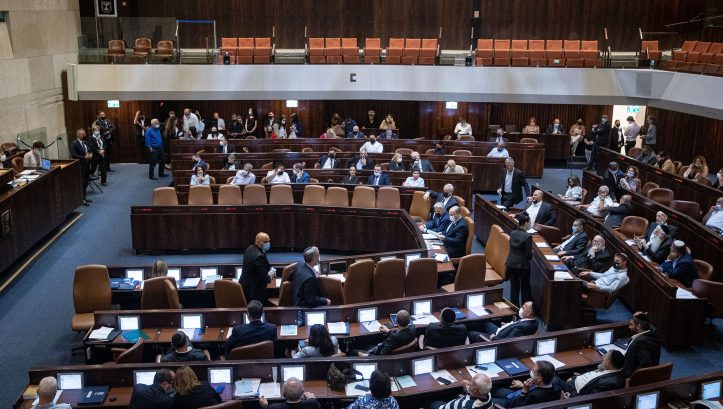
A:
(35, 310)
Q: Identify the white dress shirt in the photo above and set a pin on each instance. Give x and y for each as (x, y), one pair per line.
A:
(532, 211)
(376, 148)
(715, 220)
(494, 153)
(419, 182)
(465, 129)
(584, 379)
(592, 209)
(189, 121)
(272, 177)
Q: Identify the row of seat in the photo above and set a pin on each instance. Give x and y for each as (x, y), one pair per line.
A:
(141, 48)
(540, 53)
(399, 51)
(247, 50)
(700, 52)
(693, 67)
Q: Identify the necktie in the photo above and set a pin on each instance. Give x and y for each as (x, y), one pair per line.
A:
(376, 180)
(449, 227)
(85, 148)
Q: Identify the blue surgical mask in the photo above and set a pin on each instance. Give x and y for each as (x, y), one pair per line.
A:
(377, 173)
(266, 247)
(157, 126)
(574, 229)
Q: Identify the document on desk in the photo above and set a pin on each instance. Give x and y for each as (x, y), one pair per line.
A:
(228, 332)
(405, 381)
(26, 172)
(441, 258)
(100, 333)
(444, 374)
(270, 390)
(372, 326)
(278, 282)
(501, 305)
(552, 257)
(289, 330)
(433, 246)
(681, 293)
(190, 332)
(542, 244)
(352, 390)
(563, 275)
(337, 276)
(246, 387)
(493, 370)
(424, 319)
(531, 231)
(429, 236)
(338, 327)
(479, 311)
(549, 359)
(605, 348)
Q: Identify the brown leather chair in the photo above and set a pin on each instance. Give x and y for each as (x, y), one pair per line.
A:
(661, 195)
(703, 180)
(462, 152)
(254, 195)
(700, 48)
(286, 295)
(349, 50)
(245, 50)
(164, 50)
(286, 271)
(200, 195)
(331, 288)
(464, 211)
(650, 50)
(410, 347)
(651, 374)
(419, 209)
(553, 49)
(337, 196)
(316, 50)
(403, 151)
(263, 50)
(229, 404)
(466, 138)
(551, 234)
(165, 196)
(428, 51)
(502, 52)
(583, 196)
(496, 251)
(686, 207)
(281, 195)
(712, 291)
(314, 195)
(705, 270)
(682, 170)
(372, 50)
(411, 50)
(267, 165)
(646, 188)
(599, 299)
(358, 285)
(91, 292)
(632, 226)
(259, 350)
(333, 50)
(132, 355)
(682, 53)
(389, 277)
(159, 293)
(460, 201)
(421, 278)
(536, 52)
(472, 274)
(528, 140)
(634, 152)
(364, 196)
(388, 198)
(17, 164)
(116, 48)
(230, 195)
(229, 294)
(484, 52)
(470, 235)
(142, 47)
(394, 51)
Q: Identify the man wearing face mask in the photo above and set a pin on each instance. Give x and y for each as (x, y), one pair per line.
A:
(361, 161)
(453, 167)
(647, 156)
(713, 220)
(329, 161)
(236, 126)
(499, 136)
(355, 133)
(556, 128)
(518, 259)
(513, 187)
(616, 214)
(154, 145)
(378, 178)
(539, 211)
(257, 273)
(372, 146)
(446, 197)
(526, 325)
(304, 280)
(439, 220)
(477, 395)
(658, 247)
(499, 151)
(107, 131)
(232, 163)
(454, 237)
(244, 176)
(414, 181)
(616, 137)
(601, 135)
(422, 165)
(575, 243)
(537, 389)
(224, 147)
(388, 134)
(277, 175)
(156, 396)
(596, 257)
(32, 158)
(99, 147)
(214, 134)
(299, 175)
(612, 280)
(607, 377)
(439, 148)
(631, 133)
(80, 150)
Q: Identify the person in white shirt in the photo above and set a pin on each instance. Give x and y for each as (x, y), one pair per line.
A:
(214, 134)
(32, 158)
(220, 123)
(600, 204)
(244, 176)
(462, 128)
(714, 218)
(372, 146)
(453, 167)
(631, 134)
(499, 151)
(612, 280)
(277, 175)
(414, 180)
(190, 120)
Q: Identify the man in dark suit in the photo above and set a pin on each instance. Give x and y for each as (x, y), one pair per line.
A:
(556, 128)
(601, 133)
(616, 214)
(306, 289)
(439, 220)
(644, 348)
(98, 145)
(446, 197)
(156, 396)
(394, 339)
(576, 243)
(526, 325)
(455, 235)
(81, 150)
(539, 211)
(537, 389)
(445, 333)
(107, 131)
(512, 185)
(607, 377)
(257, 272)
(182, 350)
(596, 257)
(658, 247)
(351, 178)
(329, 161)
(361, 161)
(254, 332)
(378, 178)
(422, 165)
(224, 147)
(660, 218)
(680, 265)
(611, 179)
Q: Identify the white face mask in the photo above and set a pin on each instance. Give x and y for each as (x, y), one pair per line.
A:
(521, 313)
(532, 374)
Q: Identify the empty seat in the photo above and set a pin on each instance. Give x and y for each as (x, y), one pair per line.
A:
(713, 292)
(165, 196)
(364, 196)
(497, 249)
(484, 52)
(419, 209)
(705, 270)
(553, 49)
(661, 195)
(650, 50)
(142, 47)
(245, 51)
(411, 50)
(358, 284)
(91, 292)
(372, 50)
(421, 278)
(200, 195)
(314, 195)
(388, 198)
(590, 50)
(388, 282)
(682, 53)
(281, 195)
(709, 56)
(462, 152)
(536, 53)
(473, 274)
(159, 293)
(230, 46)
(428, 51)
(632, 226)
(337, 196)
(651, 374)
(502, 52)
(254, 194)
(519, 48)
(700, 48)
(572, 49)
(331, 288)
(692, 209)
(349, 51)
(259, 350)
(333, 50)
(116, 48)
(262, 50)
(575, 63)
(230, 195)
(228, 294)
(395, 50)
(132, 355)
(164, 50)
(646, 188)
(528, 140)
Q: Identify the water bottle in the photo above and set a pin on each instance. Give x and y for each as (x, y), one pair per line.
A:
(226, 58)
(299, 318)
(652, 64)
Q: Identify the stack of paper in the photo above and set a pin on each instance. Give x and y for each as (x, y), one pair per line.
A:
(605, 348)
(441, 258)
(424, 319)
(552, 257)
(337, 276)
(429, 236)
(683, 293)
(542, 244)
(270, 390)
(443, 373)
(228, 333)
(405, 381)
(372, 326)
(337, 327)
(479, 311)
(563, 275)
(246, 387)
(549, 359)
(100, 333)
(531, 231)
(492, 369)
(288, 330)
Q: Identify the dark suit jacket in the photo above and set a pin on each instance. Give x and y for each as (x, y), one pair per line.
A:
(602, 135)
(77, 151)
(546, 215)
(613, 183)
(383, 180)
(426, 166)
(520, 328)
(394, 340)
(616, 215)
(642, 352)
(304, 404)
(352, 162)
(439, 197)
(350, 180)
(455, 239)
(551, 129)
(396, 167)
(577, 245)
(306, 289)
(336, 162)
(303, 178)
(536, 395)
(684, 271)
(599, 263)
(237, 164)
(648, 160)
(149, 397)
(608, 382)
(229, 148)
(519, 183)
(251, 333)
(438, 223)
(663, 251)
(520, 250)
(652, 226)
(190, 356)
(438, 335)
(255, 275)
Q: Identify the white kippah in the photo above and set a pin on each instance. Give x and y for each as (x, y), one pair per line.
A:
(678, 243)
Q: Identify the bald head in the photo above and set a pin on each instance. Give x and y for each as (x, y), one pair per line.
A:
(292, 390)
(481, 386)
(262, 238)
(46, 390)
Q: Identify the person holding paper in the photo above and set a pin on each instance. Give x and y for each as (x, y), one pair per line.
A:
(607, 377)
(319, 344)
(438, 222)
(518, 261)
(537, 389)
(644, 348)
(253, 332)
(156, 396)
(380, 396)
(455, 235)
(477, 395)
(293, 392)
(192, 393)
(526, 325)
(445, 333)
(304, 280)
(394, 339)
(183, 351)
(47, 389)
(612, 280)
(257, 272)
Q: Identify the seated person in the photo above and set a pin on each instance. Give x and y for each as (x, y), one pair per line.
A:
(455, 235)
(214, 134)
(532, 127)
(537, 389)
(361, 161)
(379, 396)
(438, 222)
(378, 178)
(355, 133)
(306, 289)
(329, 161)
(414, 181)
(156, 396)
(714, 218)
(224, 147)
(48, 388)
(244, 176)
(539, 211)
(499, 151)
(372, 146)
(319, 344)
(616, 214)
(446, 197)
(697, 168)
(644, 347)
(293, 391)
(462, 128)
(453, 167)
(388, 134)
(658, 247)
(607, 377)
(445, 333)
(647, 156)
(664, 163)
(351, 178)
(422, 165)
(680, 265)
(526, 325)
(197, 161)
(612, 280)
(499, 136)
(192, 393)
(254, 332)
(277, 175)
(396, 164)
(718, 183)
(439, 148)
(574, 190)
(400, 337)
(200, 178)
(600, 204)
(631, 181)
(299, 175)
(595, 258)
(232, 163)
(556, 128)
(575, 244)
(183, 351)
(477, 397)
(660, 218)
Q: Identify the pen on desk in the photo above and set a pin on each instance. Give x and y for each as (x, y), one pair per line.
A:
(158, 335)
(473, 370)
(515, 365)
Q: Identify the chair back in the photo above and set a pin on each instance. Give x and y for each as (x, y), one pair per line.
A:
(364, 196)
(286, 294)
(165, 196)
(155, 294)
(661, 195)
(550, 233)
(682, 169)
(467, 138)
(259, 350)
(647, 186)
(705, 270)
(229, 294)
(358, 285)
(388, 198)
(528, 140)
(281, 150)
(403, 151)
(17, 164)
(389, 277)
(459, 200)
(229, 404)
(712, 291)
(464, 211)
(497, 249)
(686, 207)
(703, 180)
(116, 48)
(462, 152)
(314, 195)
(634, 152)
(286, 271)
(600, 299)
(331, 288)
(410, 347)
(583, 196)
(281, 195)
(254, 195)
(470, 272)
(421, 277)
(91, 289)
(267, 165)
(470, 234)
(651, 374)
(200, 195)
(420, 207)
(133, 355)
(142, 46)
(633, 226)
(337, 196)
(230, 195)
(164, 48)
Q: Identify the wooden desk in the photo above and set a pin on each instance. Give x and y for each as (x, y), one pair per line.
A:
(29, 213)
(557, 146)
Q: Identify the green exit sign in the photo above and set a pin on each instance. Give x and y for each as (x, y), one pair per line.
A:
(633, 109)
(114, 103)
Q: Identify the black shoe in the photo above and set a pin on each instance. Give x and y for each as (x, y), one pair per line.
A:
(103, 184)
(94, 178)
(88, 200)
(86, 203)
(109, 170)
(152, 178)
(163, 176)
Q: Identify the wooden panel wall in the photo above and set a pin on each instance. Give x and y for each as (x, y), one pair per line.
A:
(501, 114)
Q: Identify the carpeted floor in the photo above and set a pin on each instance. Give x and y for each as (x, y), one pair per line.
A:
(35, 310)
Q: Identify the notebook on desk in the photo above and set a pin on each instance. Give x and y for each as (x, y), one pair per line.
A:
(512, 366)
(93, 395)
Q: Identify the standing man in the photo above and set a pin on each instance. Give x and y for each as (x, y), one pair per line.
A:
(100, 160)
(601, 135)
(631, 134)
(257, 272)
(644, 348)
(304, 279)
(518, 261)
(80, 150)
(154, 144)
(512, 186)
(107, 129)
